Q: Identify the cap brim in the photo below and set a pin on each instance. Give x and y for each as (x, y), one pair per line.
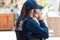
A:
(40, 7)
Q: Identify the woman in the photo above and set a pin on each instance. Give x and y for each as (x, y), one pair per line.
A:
(32, 23)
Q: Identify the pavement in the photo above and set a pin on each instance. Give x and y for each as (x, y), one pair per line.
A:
(11, 35)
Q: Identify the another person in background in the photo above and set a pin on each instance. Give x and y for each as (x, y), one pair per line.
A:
(31, 22)
(17, 12)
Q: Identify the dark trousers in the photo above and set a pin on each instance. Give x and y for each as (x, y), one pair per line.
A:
(21, 36)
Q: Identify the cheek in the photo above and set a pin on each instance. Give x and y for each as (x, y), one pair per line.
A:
(36, 15)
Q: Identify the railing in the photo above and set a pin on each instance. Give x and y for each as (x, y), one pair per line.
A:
(7, 21)
(54, 24)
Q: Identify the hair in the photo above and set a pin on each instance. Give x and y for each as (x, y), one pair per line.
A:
(24, 12)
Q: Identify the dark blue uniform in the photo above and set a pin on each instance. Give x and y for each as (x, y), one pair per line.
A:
(33, 30)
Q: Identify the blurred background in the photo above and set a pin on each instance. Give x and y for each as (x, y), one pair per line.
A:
(10, 11)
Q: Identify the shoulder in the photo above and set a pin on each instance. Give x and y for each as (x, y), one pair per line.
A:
(31, 21)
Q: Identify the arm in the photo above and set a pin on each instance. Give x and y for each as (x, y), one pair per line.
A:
(42, 23)
(36, 28)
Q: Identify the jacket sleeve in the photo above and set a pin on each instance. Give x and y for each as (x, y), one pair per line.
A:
(40, 30)
(43, 25)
